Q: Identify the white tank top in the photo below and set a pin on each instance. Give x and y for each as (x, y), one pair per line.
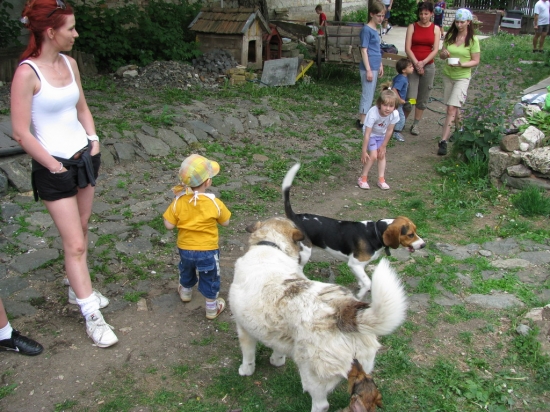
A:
(54, 116)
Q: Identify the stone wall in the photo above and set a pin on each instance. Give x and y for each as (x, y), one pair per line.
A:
(521, 159)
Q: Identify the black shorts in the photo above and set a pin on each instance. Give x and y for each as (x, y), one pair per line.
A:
(57, 186)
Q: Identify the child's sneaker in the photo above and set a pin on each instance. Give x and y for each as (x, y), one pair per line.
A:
(100, 331)
(185, 295)
(383, 185)
(214, 313)
(361, 184)
(103, 301)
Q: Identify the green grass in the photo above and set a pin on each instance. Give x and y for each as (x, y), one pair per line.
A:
(532, 201)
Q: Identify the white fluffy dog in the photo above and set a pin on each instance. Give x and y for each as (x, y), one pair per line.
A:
(321, 326)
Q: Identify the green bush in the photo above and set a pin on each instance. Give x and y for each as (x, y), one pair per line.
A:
(403, 12)
(133, 35)
(484, 123)
(361, 15)
(9, 28)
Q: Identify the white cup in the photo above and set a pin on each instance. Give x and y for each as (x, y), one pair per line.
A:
(453, 60)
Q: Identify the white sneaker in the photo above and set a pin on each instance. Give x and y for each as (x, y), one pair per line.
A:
(185, 295)
(103, 301)
(100, 331)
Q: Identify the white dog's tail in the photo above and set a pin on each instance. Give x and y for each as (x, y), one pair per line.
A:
(287, 184)
(389, 303)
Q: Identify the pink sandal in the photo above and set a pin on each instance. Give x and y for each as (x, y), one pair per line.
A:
(383, 185)
(361, 184)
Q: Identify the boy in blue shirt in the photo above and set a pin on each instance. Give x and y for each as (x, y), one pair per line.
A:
(400, 84)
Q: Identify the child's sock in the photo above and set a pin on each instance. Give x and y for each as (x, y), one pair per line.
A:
(211, 305)
(88, 306)
(363, 178)
(5, 332)
(381, 179)
(416, 122)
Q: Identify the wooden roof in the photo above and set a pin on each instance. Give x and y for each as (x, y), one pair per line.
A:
(227, 21)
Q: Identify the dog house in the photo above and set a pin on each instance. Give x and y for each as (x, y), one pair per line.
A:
(240, 31)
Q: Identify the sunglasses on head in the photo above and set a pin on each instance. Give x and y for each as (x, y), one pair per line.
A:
(60, 5)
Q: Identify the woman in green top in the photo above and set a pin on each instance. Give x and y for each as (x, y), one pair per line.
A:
(460, 43)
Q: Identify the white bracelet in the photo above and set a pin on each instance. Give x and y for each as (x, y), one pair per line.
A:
(60, 169)
(93, 138)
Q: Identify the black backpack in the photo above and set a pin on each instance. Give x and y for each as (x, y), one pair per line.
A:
(388, 48)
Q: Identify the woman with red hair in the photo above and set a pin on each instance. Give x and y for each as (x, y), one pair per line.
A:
(53, 124)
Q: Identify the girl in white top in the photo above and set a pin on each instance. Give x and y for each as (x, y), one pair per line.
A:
(52, 122)
(377, 132)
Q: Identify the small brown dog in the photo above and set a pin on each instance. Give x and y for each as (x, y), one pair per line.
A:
(365, 396)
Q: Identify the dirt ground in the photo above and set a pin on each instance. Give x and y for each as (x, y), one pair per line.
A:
(165, 332)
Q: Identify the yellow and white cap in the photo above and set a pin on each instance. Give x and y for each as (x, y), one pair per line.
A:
(196, 169)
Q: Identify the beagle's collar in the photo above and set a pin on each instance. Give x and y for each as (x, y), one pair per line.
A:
(386, 248)
(267, 243)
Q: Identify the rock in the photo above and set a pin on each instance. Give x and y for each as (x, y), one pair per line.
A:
(124, 151)
(120, 71)
(152, 145)
(524, 182)
(533, 137)
(17, 175)
(518, 171)
(3, 184)
(499, 161)
(523, 330)
(130, 74)
(172, 139)
(33, 260)
(511, 263)
(519, 122)
(538, 159)
(496, 301)
(531, 109)
(510, 143)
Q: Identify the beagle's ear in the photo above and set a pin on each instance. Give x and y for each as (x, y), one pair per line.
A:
(392, 234)
(297, 235)
(253, 227)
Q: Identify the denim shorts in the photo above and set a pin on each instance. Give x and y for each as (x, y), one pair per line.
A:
(57, 186)
(201, 266)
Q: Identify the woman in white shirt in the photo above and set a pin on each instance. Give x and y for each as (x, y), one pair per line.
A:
(53, 124)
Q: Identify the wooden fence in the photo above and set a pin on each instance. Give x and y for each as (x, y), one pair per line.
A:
(9, 59)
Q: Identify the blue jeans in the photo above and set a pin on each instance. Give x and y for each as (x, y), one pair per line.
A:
(401, 123)
(205, 263)
(367, 91)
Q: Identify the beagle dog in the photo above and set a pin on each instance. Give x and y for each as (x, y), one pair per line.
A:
(358, 243)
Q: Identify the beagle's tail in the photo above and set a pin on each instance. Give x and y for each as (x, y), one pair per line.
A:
(287, 184)
(388, 308)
